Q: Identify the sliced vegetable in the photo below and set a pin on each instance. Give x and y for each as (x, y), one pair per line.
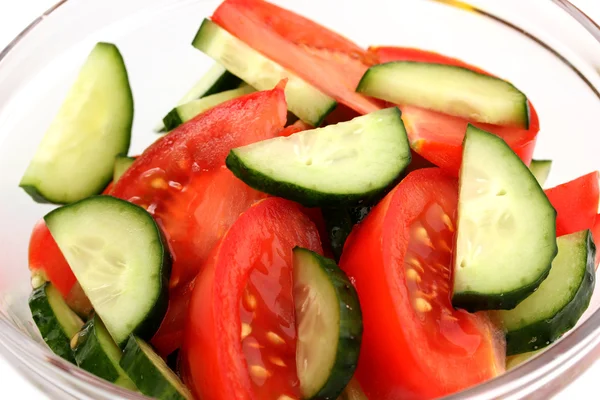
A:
(55, 320)
(415, 344)
(339, 225)
(116, 252)
(596, 234)
(541, 170)
(559, 302)
(340, 165)
(96, 352)
(506, 227)
(324, 297)
(150, 373)
(75, 158)
(303, 99)
(241, 343)
(185, 112)
(122, 164)
(353, 391)
(518, 359)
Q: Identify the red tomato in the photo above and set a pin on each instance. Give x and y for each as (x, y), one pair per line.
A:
(576, 204)
(240, 338)
(323, 58)
(296, 127)
(415, 344)
(181, 178)
(596, 236)
(438, 137)
(46, 257)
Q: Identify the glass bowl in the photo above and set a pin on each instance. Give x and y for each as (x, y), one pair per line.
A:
(550, 50)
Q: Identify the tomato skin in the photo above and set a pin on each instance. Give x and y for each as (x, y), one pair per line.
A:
(213, 362)
(45, 256)
(596, 236)
(576, 203)
(402, 356)
(296, 127)
(323, 58)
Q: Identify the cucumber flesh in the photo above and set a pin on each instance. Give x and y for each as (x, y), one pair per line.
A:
(506, 227)
(518, 359)
(116, 252)
(55, 320)
(353, 391)
(541, 170)
(303, 99)
(448, 89)
(150, 373)
(187, 111)
(329, 325)
(339, 165)
(76, 155)
(122, 164)
(96, 352)
(559, 302)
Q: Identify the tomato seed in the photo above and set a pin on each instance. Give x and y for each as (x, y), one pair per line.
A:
(277, 361)
(259, 371)
(413, 275)
(448, 222)
(422, 305)
(246, 330)
(159, 183)
(275, 338)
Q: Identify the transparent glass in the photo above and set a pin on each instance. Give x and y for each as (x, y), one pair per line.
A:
(548, 49)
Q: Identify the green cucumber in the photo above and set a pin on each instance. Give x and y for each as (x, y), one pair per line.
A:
(448, 89)
(150, 373)
(76, 156)
(518, 359)
(96, 352)
(116, 252)
(339, 165)
(339, 223)
(189, 110)
(541, 170)
(122, 164)
(353, 391)
(324, 297)
(55, 320)
(303, 99)
(506, 235)
(559, 302)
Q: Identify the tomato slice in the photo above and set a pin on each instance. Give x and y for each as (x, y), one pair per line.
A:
(181, 179)
(415, 344)
(438, 137)
(576, 203)
(240, 338)
(46, 257)
(323, 58)
(596, 236)
(296, 127)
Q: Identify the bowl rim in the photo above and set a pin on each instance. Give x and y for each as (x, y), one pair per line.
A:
(555, 360)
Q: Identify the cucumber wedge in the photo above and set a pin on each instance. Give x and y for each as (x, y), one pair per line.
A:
(116, 251)
(76, 156)
(506, 237)
(516, 360)
(339, 165)
(353, 391)
(122, 164)
(187, 111)
(329, 324)
(96, 352)
(448, 89)
(559, 302)
(55, 320)
(541, 170)
(304, 100)
(150, 373)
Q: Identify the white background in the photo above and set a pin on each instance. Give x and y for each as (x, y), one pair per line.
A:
(14, 16)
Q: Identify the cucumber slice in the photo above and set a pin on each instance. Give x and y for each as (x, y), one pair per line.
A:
(353, 391)
(516, 360)
(339, 165)
(150, 373)
(559, 302)
(329, 324)
(96, 352)
(117, 255)
(55, 320)
(506, 227)
(187, 111)
(448, 89)
(339, 223)
(541, 170)
(304, 100)
(122, 164)
(76, 156)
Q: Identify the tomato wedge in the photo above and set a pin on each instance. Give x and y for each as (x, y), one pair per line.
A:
(415, 344)
(576, 203)
(438, 137)
(240, 339)
(296, 127)
(46, 257)
(323, 58)
(181, 178)
(596, 236)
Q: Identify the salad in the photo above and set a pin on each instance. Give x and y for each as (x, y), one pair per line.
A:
(315, 221)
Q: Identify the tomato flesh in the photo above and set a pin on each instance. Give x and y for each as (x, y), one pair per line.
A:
(415, 344)
(240, 335)
(596, 236)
